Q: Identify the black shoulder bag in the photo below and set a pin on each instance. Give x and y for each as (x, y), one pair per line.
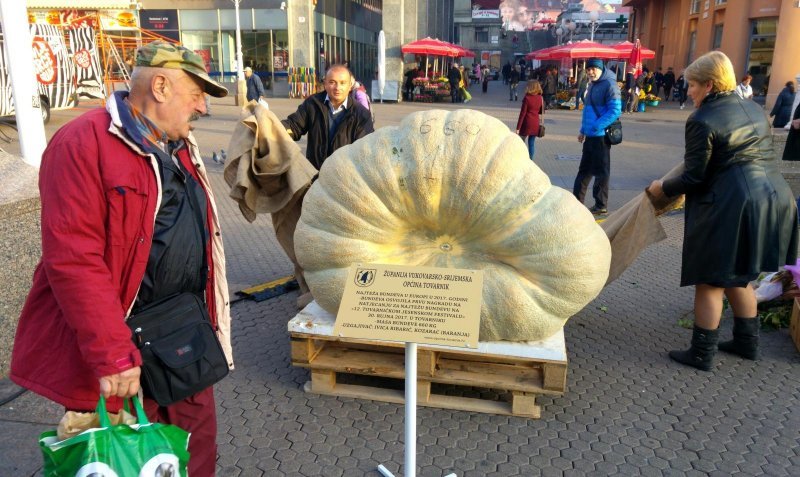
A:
(613, 133)
(181, 354)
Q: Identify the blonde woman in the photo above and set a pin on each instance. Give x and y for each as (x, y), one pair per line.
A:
(530, 116)
(740, 215)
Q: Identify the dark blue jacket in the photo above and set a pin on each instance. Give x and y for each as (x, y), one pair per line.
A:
(603, 105)
(255, 88)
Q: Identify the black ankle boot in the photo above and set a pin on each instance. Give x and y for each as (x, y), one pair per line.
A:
(745, 338)
(701, 354)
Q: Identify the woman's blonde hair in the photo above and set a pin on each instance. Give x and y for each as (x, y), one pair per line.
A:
(533, 87)
(714, 67)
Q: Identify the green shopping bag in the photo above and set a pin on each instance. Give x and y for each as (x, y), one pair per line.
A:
(144, 449)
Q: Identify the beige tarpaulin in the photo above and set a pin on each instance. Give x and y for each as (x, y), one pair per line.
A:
(635, 226)
(268, 173)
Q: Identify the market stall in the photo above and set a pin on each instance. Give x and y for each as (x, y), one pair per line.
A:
(434, 87)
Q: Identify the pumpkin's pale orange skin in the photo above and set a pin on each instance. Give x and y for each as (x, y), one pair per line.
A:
(457, 190)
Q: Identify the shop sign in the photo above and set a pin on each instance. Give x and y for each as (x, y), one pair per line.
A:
(485, 13)
(66, 18)
(118, 20)
(158, 20)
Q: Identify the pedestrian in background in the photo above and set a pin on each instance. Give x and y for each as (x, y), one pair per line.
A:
(744, 90)
(632, 88)
(603, 107)
(255, 88)
(454, 79)
(782, 110)
(740, 217)
(331, 118)
(791, 151)
(583, 81)
(531, 114)
(669, 82)
(513, 82)
(550, 87)
(464, 84)
(683, 87)
(506, 71)
(128, 220)
(485, 73)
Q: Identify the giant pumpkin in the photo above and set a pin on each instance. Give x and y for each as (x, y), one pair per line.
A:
(455, 189)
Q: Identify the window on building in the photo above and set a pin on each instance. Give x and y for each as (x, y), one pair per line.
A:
(205, 44)
(720, 2)
(759, 58)
(716, 40)
(481, 35)
(694, 7)
(692, 47)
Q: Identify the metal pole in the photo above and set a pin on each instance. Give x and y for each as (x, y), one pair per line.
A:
(30, 125)
(241, 87)
(411, 410)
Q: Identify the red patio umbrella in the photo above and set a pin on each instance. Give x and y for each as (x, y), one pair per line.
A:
(430, 46)
(584, 49)
(626, 47)
(635, 58)
(464, 53)
(543, 54)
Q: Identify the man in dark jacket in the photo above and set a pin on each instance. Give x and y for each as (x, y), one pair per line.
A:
(128, 219)
(454, 78)
(255, 88)
(331, 119)
(603, 107)
(669, 82)
(506, 71)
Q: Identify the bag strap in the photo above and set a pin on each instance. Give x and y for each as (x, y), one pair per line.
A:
(105, 421)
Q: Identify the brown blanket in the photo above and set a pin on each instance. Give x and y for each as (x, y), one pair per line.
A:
(635, 226)
(268, 173)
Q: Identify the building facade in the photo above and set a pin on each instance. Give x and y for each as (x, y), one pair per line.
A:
(761, 37)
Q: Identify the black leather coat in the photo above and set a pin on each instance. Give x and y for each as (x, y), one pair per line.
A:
(741, 218)
(311, 118)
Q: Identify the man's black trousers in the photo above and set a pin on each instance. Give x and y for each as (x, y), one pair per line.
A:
(595, 161)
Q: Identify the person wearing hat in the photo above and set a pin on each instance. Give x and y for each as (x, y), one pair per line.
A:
(255, 88)
(603, 105)
(128, 218)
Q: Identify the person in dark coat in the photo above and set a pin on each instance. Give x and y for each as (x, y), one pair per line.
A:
(454, 78)
(506, 71)
(783, 106)
(331, 119)
(669, 82)
(530, 116)
(513, 82)
(741, 218)
(255, 88)
(409, 82)
(550, 87)
(792, 150)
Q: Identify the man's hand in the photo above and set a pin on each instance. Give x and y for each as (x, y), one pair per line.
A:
(581, 138)
(124, 384)
(796, 124)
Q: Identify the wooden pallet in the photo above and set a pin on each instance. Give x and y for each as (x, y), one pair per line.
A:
(330, 359)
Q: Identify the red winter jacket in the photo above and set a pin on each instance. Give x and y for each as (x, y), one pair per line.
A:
(528, 122)
(99, 198)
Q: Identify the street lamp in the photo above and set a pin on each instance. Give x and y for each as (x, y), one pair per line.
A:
(240, 84)
(571, 26)
(559, 33)
(594, 15)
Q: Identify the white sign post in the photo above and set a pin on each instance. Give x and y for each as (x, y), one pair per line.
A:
(440, 306)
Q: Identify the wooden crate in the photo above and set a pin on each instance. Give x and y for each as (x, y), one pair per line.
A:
(519, 370)
(794, 325)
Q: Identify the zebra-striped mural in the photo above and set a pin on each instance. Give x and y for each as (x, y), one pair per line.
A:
(53, 67)
(87, 62)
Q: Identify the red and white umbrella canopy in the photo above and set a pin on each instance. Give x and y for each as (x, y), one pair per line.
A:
(464, 53)
(626, 47)
(543, 54)
(635, 59)
(584, 49)
(431, 46)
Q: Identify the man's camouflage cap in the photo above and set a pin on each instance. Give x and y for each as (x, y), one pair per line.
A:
(161, 54)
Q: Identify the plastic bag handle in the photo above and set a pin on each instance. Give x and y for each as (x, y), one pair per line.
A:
(102, 412)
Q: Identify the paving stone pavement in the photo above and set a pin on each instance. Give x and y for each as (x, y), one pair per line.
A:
(627, 410)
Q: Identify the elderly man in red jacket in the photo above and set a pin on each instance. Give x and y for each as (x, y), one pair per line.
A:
(128, 218)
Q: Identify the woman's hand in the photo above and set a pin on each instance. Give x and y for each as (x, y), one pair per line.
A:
(517, 132)
(655, 189)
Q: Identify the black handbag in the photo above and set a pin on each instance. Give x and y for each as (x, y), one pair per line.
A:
(614, 133)
(541, 131)
(180, 350)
